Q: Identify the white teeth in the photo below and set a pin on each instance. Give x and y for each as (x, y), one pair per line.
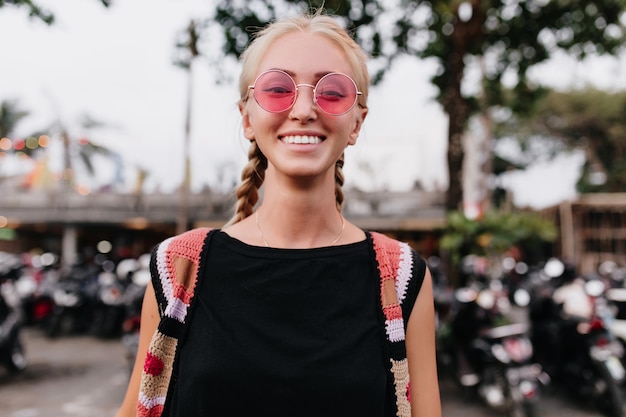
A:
(302, 139)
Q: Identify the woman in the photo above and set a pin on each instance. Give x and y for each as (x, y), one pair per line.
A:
(291, 310)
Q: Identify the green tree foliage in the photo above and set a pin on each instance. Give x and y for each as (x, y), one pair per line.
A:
(588, 119)
(36, 11)
(507, 36)
(494, 234)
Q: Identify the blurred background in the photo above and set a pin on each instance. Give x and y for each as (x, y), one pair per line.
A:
(495, 145)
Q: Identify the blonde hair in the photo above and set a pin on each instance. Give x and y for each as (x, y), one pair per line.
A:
(253, 173)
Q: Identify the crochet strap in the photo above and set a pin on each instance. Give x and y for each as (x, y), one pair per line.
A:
(175, 264)
(395, 267)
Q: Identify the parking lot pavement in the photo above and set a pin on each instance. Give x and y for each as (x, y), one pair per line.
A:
(67, 377)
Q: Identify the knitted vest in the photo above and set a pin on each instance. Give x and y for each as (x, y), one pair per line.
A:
(177, 263)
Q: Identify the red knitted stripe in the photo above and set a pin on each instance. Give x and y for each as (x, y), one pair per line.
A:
(392, 312)
(408, 392)
(153, 364)
(155, 411)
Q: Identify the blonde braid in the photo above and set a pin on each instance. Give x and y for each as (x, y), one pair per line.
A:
(252, 178)
(339, 179)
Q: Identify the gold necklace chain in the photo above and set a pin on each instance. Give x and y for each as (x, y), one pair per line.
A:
(258, 226)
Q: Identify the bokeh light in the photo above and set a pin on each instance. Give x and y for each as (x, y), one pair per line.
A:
(5, 144)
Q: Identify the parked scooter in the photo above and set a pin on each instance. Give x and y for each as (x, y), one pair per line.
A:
(74, 296)
(138, 275)
(12, 354)
(35, 287)
(487, 352)
(109, 308)
(616, 298)
(573, 341)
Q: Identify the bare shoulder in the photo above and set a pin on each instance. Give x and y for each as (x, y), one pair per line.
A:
(353, 234)
(244, 231)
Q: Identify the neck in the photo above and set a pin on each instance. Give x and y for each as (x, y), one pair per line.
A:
(299, 213)
(291, 223)
(304, 242)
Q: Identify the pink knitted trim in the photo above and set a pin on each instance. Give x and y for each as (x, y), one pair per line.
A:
(178, 259)
(387, 255)
(186, 246)
(393, 312)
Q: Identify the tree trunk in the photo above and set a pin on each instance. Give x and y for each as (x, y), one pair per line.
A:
(466, 34)
(454, 195)
(457, 109)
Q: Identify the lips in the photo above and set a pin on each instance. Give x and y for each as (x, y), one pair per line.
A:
(302, 139)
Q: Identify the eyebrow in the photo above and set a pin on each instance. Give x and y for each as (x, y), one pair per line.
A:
(317, 75)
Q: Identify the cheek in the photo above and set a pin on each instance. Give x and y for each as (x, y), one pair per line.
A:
(258, 123)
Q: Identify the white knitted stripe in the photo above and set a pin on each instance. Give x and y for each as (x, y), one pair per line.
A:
(151, 402)
(405, 271)
(176, 309)
(166, 279)
(395, 330)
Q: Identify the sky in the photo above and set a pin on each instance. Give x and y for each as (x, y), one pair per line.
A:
(115, 65)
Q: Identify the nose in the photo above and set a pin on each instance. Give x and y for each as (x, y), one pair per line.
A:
(303, 107)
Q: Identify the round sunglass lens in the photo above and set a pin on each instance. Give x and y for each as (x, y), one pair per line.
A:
(335, 94)
(275, 91)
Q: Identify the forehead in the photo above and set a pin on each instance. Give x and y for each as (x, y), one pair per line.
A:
(305, 54)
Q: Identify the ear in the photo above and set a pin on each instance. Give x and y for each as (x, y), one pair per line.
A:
(358, 122)
(248, 130)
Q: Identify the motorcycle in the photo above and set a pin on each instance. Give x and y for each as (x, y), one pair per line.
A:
(73, 297)
(35, 286)
(573, 341)
(488, 353)
(616, 299)
(12, 354)
(109, 302)
(138, 275)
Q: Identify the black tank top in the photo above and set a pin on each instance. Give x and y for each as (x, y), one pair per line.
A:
(283, 332)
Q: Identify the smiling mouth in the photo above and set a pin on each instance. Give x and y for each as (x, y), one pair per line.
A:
(311, 140)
